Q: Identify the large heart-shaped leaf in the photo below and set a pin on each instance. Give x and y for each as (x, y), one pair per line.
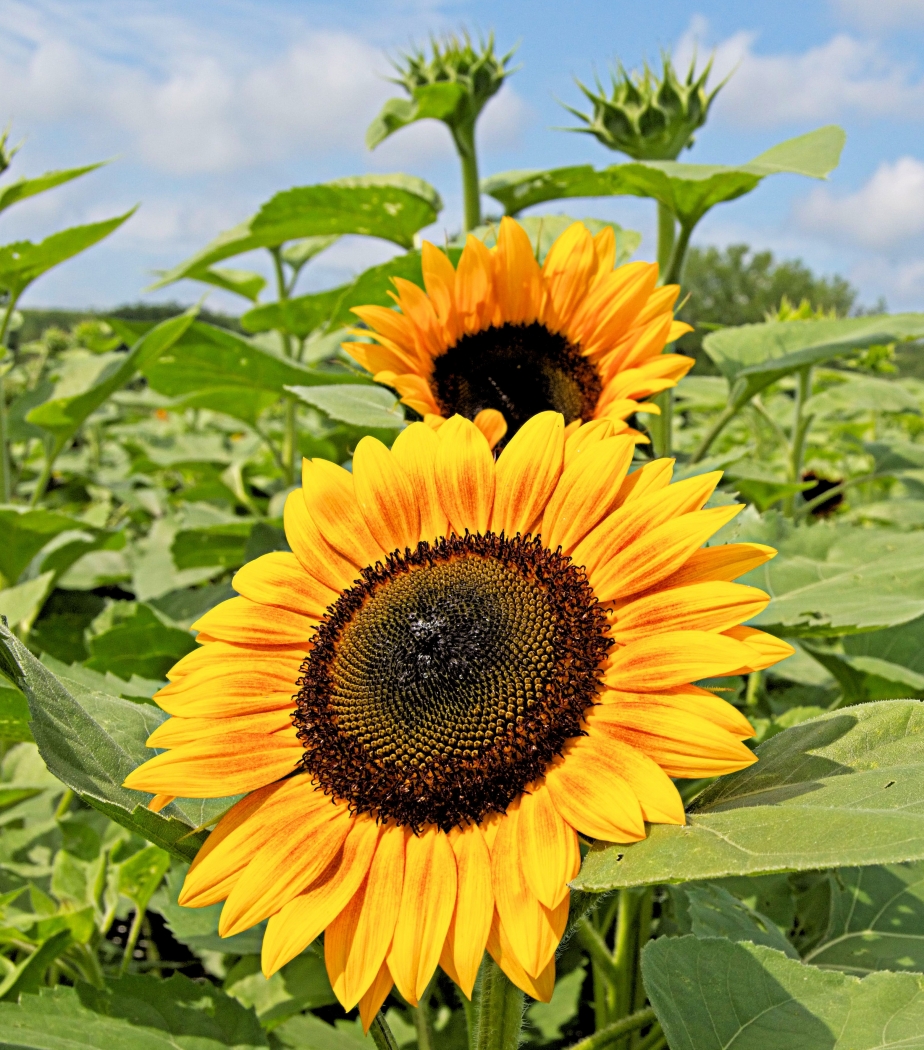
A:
(843, 789)
(687, 190)
(373, 407)
(131, 1013)
(91, 742)
(393, 207)
(715, 994)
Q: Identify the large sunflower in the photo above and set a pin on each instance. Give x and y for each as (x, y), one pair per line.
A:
(500, 338)
(462, 665)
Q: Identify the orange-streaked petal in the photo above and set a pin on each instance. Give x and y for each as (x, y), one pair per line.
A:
(385, 496)
(726, 561)
(766, 649)
(415, 449)
(697, 607)
(592, 797)
(372, 1001)
(314, 553)
(303, 919)
(527, 472)
(278, 579)
(330, 497)
(548, 846)
(492, 424)
(673, 658)
(464, 480)
(428, 898)
(245, 622)
(357, 942)
(501, 952)
(471, 923)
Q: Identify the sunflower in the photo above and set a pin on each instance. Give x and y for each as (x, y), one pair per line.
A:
(463, 665)
(501, 339)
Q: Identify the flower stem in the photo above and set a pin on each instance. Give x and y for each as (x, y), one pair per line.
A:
(422, 1021)
(132, 940)
(500, 1010)
(607, 1037)
(464, 138)
(381, 1033)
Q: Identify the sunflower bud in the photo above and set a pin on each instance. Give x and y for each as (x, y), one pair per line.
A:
(646, 116)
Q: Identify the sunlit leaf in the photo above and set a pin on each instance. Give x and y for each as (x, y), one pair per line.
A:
(437, 101)
(393, 207)
(245, 283)
(843, 789)
(19, 190)
(713, 994)
(363, 406)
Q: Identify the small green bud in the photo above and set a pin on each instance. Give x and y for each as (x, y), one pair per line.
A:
(646, 116)
(6, 152)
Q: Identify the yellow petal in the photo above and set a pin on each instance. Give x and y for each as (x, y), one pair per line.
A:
(464, 480)
(386, 496)
(471, 922)
(593, 797)
(278, 579)
(331, 501)
(372, 1001)
(501, 952)
(527, 471)
(415, 449)
(492, 424)
(673, 658)
(245, 622)
(697, 607)
(314, 553)
(548, 847)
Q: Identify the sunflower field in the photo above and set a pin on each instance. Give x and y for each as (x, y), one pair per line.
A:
(472, 655)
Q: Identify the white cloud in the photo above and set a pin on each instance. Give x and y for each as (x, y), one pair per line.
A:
(843, 77)
(193, 102)
(887, 211)
(882, 14)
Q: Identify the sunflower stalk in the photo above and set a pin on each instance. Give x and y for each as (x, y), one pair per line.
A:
(290, 437)
(800, 428)
(500, 1008)
(381, 1034)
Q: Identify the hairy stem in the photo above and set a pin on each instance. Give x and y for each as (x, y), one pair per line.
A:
(607, 1037)
(422, 1021)
(624, 951)
(800, 427)
(722, 420)
(500, 1010)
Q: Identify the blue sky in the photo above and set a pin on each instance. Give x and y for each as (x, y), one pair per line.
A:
(208, 108)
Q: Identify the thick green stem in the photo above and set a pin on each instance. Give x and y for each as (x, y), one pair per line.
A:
(290, 441)
(624, 951)
(464, 138)
(51, 454)
(422, 1021)
(752, 693)
(800, 427)
(6, 488)
(808, 507)
(500, 1010)
(667, 231)
(645, 915)
(605, 974)
(381, 1033)
(613, 1033)
(678, 256)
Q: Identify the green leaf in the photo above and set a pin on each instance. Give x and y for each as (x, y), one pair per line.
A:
(91, 742)
(14, 715)
(843, 789)
(223, 545)
(245, 283)
(543, 230)
(865, 919)
(17, 191)
(140, 644)
(753, 356)
(899, 513)
(142, 873)
(308, 1032)
(713, 994)
(707, 910)
(21, 604)
(28, 976)
(197, 928)
(551, 1017)
(209, 359)
(687, 190)
(393, 207)
(300, 252)
(862, 394)
(25, 533)
(882, 593)
(130, 1013)
(300, 985)
(363, 406)
(23, 262)
(437, 101)
(62, 416)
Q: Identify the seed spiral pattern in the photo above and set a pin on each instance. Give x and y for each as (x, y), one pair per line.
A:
(446, 680)
(520, 370)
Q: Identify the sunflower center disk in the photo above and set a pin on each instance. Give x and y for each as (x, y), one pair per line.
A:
(518, 369)
(445, 681)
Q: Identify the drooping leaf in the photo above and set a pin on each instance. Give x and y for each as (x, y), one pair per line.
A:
(25, 533)
(843, 789)
(393, 207)
(62, 416)
(245, 283)
(300, 985)
(862, 394)
(753, 356)
(687, 190)
(899, 513)
(91, 742)
(714, 994)
(223, 545)
(363, 406)
(437, 101)
(131, 1013)
(23, 262)
(19, 190)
